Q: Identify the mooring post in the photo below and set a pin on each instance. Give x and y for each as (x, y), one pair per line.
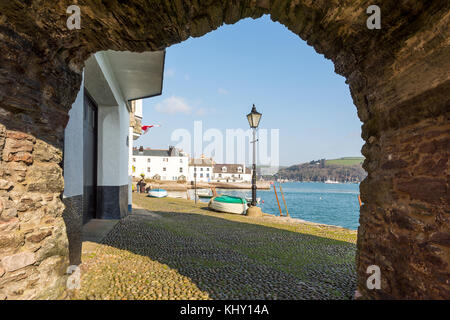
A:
(282, 195)
(278, 202)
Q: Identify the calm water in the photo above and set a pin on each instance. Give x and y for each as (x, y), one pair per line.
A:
(335, 204)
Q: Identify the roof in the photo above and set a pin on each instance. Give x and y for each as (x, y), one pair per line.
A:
(201, 162)
(137, 75)
(152, 153)
(231, 168)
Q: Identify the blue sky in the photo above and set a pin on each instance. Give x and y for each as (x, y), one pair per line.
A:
(217, 78)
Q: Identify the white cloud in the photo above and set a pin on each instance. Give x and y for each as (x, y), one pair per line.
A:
(222, 91)
(173, 105)
(169, 72)
(205, 111)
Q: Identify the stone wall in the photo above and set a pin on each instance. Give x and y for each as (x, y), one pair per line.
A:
(33, 241)
(398, 78)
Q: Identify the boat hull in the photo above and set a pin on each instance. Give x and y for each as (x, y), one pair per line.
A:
(157, 193)
(234, 208)
(204, 196)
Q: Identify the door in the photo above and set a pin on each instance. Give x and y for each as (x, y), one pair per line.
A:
(89, 158)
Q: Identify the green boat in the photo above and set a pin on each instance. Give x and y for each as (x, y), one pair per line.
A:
(228, 204)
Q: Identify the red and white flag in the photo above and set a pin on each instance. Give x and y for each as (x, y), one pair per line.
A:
(147, 128)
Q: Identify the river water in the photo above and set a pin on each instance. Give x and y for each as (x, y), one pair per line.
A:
(334, 204)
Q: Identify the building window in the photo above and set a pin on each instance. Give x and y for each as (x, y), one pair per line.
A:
(220, 175)
(207, 169)
(207, 175)
(165, 159)
(181, 170)
(134, 159)
(164, 169)
(195, 175)
(239, 169)
(201, 169)
(201, 175)
(181, 160)
(195, 169)
(148, 169)
(148, 159)
(224, 169)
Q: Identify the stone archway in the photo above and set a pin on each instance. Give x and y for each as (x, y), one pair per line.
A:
(399, 81)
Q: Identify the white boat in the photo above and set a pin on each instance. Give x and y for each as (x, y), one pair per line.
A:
(249, 200)
(331, 181)
(157, 193)
(228, 204)
(204, 194)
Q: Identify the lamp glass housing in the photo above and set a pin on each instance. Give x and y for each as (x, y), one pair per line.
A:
(253, 118)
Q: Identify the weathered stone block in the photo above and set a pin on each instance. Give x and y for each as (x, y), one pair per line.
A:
(10, 240)
(431, 190)
(5, 184)
(18, 261)
(9, 225)
(39, 236)
(45, 177)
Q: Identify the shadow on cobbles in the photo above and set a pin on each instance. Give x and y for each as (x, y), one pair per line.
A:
(235, 260)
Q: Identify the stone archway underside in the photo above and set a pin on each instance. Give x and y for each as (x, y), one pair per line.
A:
(399, 80)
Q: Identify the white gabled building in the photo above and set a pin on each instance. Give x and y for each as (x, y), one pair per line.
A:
(201, 169)
(231, 173)
(167, 165)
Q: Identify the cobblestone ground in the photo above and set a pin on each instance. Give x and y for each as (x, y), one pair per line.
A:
(187, 252)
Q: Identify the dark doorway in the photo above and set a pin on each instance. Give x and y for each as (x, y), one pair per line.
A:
(89, 158)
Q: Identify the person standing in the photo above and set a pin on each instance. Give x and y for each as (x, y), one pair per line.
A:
(142, 185)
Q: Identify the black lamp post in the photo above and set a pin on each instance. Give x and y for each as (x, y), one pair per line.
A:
(253, 120)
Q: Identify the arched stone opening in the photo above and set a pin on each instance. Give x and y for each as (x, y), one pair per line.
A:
(398, 77)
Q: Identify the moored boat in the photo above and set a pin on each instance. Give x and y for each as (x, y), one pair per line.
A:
(157, 193)
(204, 194)
(249, 200)
(228, 204)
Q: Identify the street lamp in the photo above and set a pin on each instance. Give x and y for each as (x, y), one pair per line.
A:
(253, 120)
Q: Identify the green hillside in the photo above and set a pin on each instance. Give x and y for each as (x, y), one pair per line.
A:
(346, 169)
(345, 161)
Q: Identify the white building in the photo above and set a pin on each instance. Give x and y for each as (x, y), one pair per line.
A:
(201, 170)
(231, 173)
(97, 137)
(170, 164)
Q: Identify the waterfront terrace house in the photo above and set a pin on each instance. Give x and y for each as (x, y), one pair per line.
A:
(97, 137)
(231, 173)
(201, 169)
(171, 164)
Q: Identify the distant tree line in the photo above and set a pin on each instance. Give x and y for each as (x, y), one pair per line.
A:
(319, 171)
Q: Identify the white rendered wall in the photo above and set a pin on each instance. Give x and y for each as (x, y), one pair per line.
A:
(73, 148)
(113, 130)
(138, 108)
(239, 177)
(157, 165)
(201, 169)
